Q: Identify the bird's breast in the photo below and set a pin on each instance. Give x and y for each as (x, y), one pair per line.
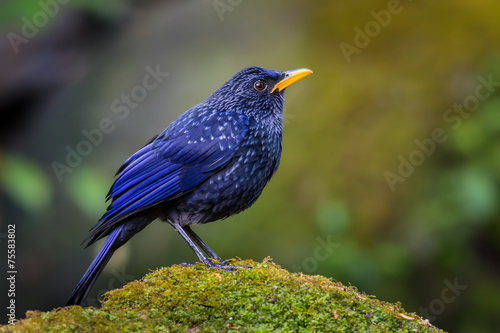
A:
(237, 185)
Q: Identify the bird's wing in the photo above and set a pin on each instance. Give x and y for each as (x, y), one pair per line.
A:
(173, 163)
(202, 149)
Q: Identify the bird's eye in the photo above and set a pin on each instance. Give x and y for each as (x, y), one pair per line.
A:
(259, 85)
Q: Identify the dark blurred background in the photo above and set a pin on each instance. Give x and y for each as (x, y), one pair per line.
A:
(390, 172)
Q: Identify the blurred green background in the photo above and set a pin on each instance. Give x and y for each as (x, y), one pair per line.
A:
(386, 76)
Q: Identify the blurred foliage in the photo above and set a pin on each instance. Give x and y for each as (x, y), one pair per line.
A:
(13, 11)
(24, 182)
(345, 126)
(86, 189)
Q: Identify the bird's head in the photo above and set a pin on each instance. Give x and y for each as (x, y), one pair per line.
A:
(257, 91)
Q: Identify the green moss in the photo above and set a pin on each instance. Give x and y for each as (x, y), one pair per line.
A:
(200, 299)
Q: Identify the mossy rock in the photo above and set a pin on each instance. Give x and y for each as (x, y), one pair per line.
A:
(200, 299)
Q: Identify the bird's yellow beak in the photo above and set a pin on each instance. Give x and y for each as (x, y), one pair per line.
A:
(291, 77)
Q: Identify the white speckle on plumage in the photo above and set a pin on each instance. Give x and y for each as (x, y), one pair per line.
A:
(233, 168)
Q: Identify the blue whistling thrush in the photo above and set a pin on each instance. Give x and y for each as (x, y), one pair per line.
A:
(210, 163)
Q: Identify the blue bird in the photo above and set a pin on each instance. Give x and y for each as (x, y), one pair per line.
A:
(210, 163)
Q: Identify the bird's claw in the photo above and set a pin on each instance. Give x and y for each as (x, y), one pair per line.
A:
(229, 268)
(223, 265)
(186, 264)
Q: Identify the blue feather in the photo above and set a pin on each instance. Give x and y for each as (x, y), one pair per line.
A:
(212, 162)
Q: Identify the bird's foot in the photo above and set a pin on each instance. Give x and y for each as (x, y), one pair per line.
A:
(221, 265)
(227, 267)
(224, 265)
(186, 264)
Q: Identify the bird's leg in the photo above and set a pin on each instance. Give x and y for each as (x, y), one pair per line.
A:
(206, 248)
(201, 243)
(200, 254)
(192, 245)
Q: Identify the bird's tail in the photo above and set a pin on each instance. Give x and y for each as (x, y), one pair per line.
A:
(96, 267)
